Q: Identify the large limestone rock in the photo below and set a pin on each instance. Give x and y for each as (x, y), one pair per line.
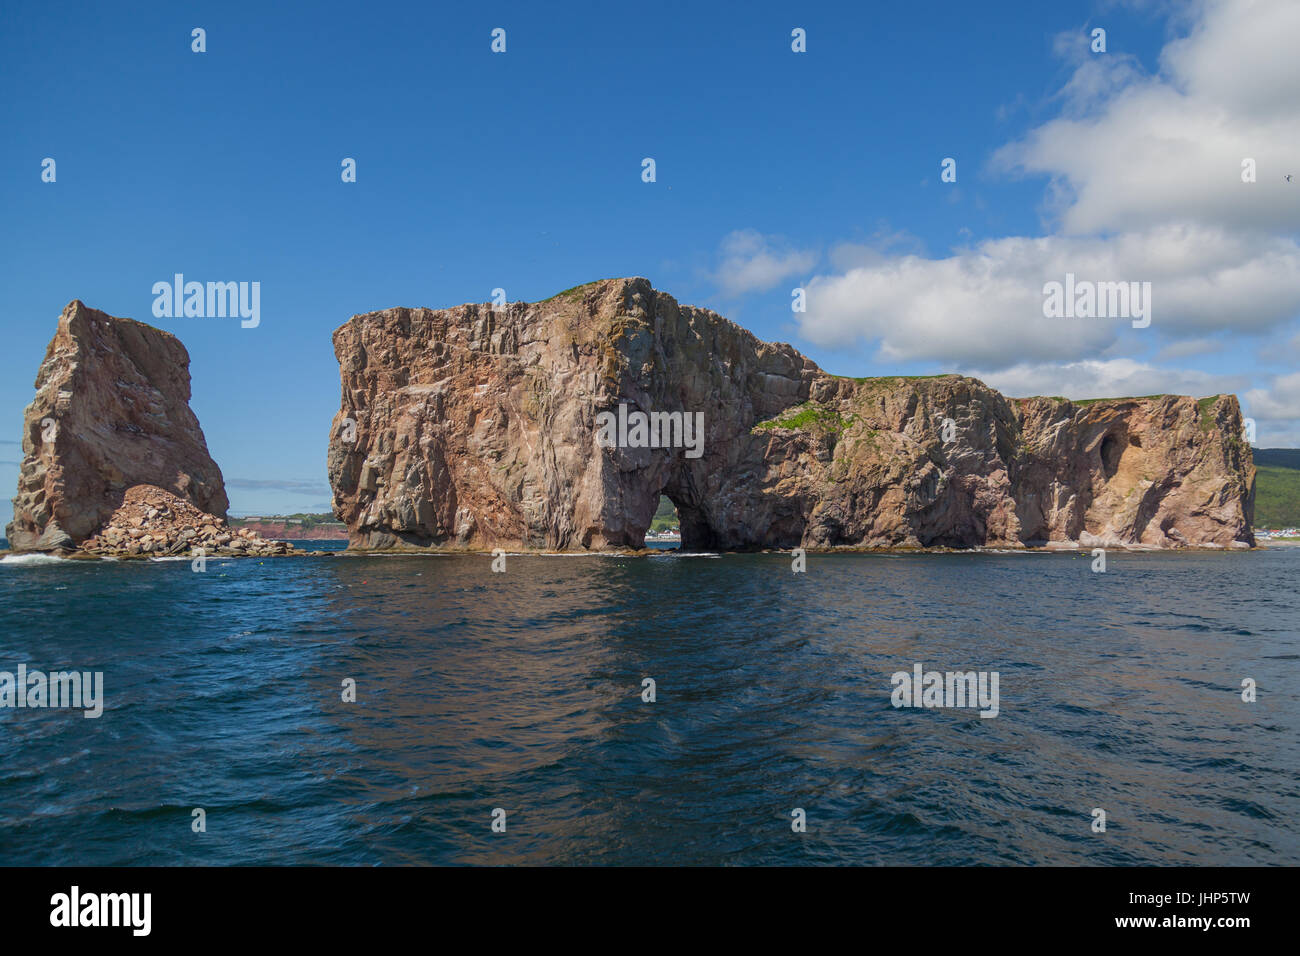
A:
(111, 411)
(473, 428)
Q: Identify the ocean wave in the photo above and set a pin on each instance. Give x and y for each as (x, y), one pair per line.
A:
(24, 560)
(572, 554)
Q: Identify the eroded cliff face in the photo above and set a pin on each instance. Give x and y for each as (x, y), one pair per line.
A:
(111, 412)
(473, 428)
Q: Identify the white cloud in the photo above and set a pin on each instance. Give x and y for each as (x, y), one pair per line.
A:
(1094, 378)
(1281, 400)
(1143, 184)
(752, 262)
(1275, 406)
(984, 305)
(1134, 151)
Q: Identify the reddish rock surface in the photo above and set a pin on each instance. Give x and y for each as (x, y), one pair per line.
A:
(111, 413)
(473, 428)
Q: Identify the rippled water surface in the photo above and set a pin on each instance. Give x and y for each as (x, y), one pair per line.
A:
(522, 691)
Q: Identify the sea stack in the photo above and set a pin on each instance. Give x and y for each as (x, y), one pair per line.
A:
(112, 414)
(478, 427)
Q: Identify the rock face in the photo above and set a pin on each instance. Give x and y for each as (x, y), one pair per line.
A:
(111, 412)
(472, 428)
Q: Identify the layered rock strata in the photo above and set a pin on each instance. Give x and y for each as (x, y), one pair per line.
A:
(476, 428)
(111, 414)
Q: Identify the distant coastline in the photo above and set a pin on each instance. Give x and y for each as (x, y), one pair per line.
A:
(294, 527)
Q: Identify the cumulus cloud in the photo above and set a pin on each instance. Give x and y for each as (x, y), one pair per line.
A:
(1103, 378)
(753, 262)
(1134, 151)
(1275, 405)
(984, 305)
(1143, 184)
(1280, 401)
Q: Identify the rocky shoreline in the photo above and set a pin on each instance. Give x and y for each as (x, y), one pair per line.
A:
(153, 522)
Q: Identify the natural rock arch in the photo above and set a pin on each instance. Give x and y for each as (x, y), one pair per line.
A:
(477, 428)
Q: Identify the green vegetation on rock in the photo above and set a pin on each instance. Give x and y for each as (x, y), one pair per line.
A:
(1124, 398)
(863, 379)
(807, 417)
(1205, 405)
(575, 292)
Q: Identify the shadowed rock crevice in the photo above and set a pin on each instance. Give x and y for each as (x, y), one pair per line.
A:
(472, 428)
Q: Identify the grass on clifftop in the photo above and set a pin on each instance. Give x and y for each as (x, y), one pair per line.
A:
(575, 292)
(864, 379)
(1205, 404)
(861, 379)
(1119, 398)
(807, 417)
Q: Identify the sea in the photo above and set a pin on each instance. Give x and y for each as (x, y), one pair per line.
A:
(664, 709)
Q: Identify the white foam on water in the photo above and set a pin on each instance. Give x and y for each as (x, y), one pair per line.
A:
(573, 554)
(26, 560)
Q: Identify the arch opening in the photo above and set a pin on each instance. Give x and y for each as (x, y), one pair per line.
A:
(697, 533)
(665, 525)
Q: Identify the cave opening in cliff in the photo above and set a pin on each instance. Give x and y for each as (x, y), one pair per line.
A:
(693, 527)
(1112, 447)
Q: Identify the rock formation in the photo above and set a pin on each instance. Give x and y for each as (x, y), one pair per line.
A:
(477, 428)
(111, 413)
(152, 521)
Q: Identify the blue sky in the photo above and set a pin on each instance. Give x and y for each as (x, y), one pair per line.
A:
(775, 169)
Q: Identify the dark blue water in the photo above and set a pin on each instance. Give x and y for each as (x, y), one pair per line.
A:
(521, 691)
